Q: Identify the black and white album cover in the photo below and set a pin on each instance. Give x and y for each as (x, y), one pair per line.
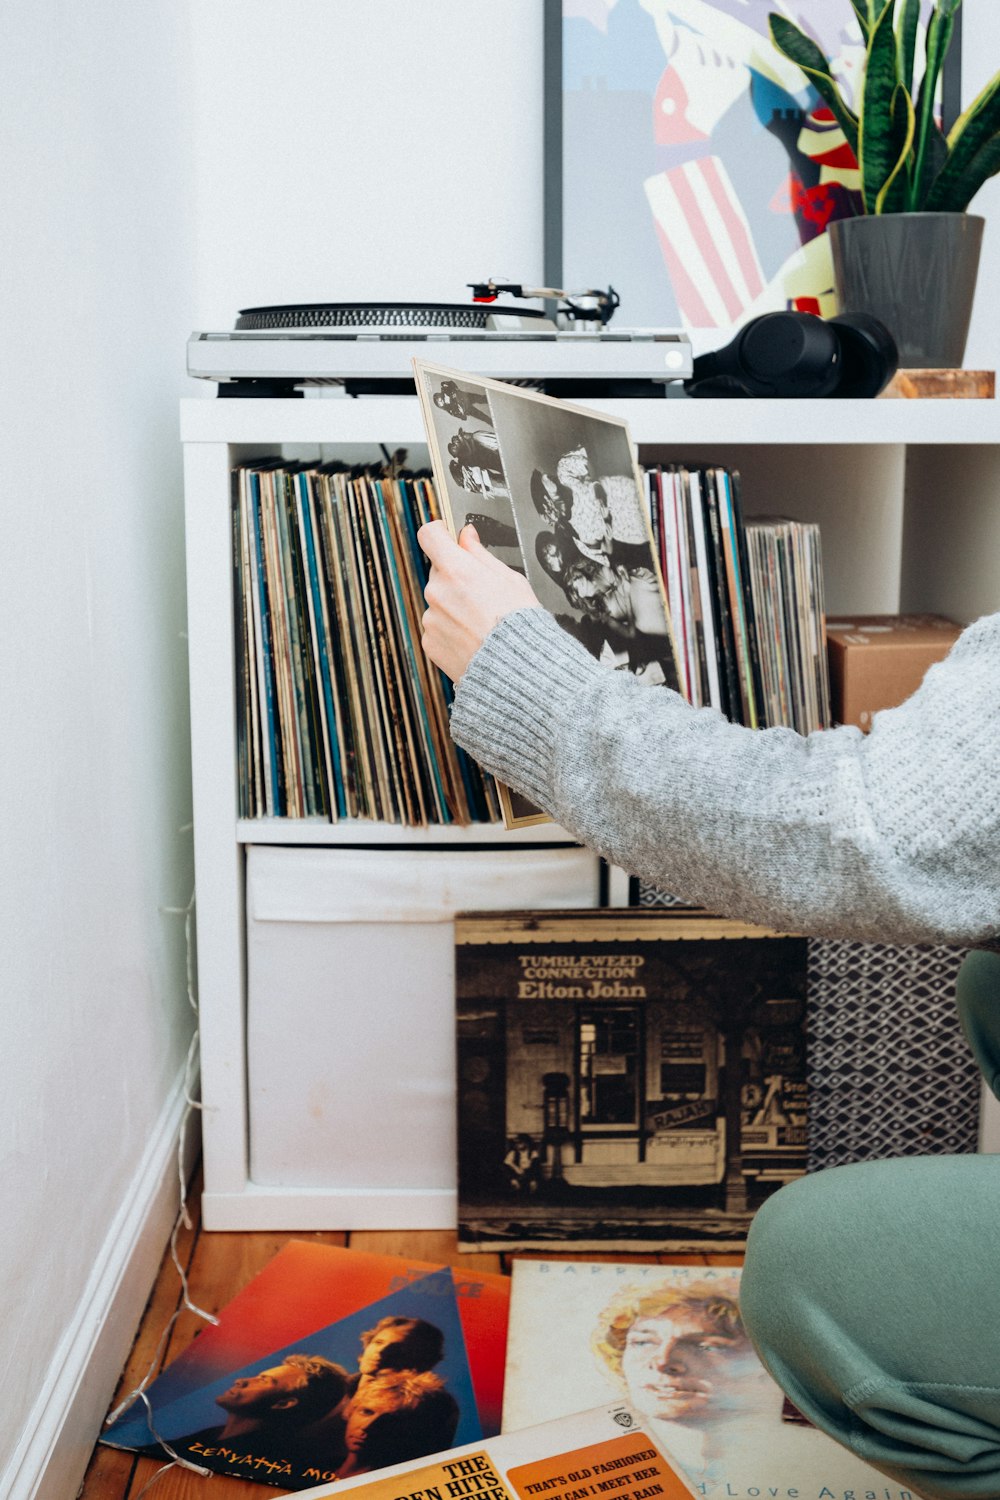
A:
(626, 1079)
(553, 490)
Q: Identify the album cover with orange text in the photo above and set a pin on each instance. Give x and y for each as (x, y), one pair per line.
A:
(605, 1453)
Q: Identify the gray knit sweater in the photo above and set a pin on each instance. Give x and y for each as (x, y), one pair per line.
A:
(892, 836)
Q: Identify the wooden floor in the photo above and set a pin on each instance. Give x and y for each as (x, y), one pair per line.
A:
(218, 1266)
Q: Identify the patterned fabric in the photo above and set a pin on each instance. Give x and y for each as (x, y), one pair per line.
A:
(890, 1073)
(647, 895)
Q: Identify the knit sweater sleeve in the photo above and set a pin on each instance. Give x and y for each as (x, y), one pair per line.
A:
(892, 836)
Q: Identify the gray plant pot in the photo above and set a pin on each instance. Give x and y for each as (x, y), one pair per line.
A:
(916, 273)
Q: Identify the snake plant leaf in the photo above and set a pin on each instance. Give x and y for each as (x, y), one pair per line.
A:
(909, 20)
(973, 129)
(939, 32)
(863, 12)
(952, 192)
(892, 195)
(935, 158)
(803, 51)
(876, 150)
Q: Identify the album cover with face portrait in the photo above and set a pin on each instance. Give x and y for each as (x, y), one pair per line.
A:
(331, 1363)
(554, 491)
(627, 1080)
(670, 1341)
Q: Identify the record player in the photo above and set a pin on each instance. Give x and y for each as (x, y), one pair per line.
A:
(364, 348)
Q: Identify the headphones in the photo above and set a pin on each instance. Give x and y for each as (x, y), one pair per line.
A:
(800, 354)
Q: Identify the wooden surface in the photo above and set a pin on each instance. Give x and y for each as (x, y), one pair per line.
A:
(220, 1265)
(976, 385)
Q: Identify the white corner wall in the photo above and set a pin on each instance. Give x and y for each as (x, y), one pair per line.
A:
(164, 165)
(97, 290)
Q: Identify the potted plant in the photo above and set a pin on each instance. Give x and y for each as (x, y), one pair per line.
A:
(912, 257)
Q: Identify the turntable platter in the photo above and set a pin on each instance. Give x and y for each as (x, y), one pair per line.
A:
(381, 315)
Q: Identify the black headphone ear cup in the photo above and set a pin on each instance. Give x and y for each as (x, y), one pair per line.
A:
(717, 387)
(869, 356)
(797, 354)
(718, 373)
(775, 354)
(789, 354)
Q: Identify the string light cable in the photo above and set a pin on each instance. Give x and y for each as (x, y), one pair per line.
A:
(183, 1218)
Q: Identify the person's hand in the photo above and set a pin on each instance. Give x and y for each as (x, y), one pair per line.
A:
(467, 592)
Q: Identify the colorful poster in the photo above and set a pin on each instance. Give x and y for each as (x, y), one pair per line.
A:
(699, 170)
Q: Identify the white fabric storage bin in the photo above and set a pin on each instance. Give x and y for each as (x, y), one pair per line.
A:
(351, 1003)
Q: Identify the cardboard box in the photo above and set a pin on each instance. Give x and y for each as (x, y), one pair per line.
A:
(877, 661)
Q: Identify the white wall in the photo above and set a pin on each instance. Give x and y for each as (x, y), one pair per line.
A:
(980, 60)
(94, 776)
(377, 149)
(343, 150)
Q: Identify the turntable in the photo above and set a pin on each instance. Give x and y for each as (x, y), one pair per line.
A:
(361, 348)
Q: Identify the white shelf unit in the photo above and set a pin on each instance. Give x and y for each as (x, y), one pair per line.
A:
(907, 494)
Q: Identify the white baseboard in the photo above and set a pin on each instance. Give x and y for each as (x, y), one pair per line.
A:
(59, 1436)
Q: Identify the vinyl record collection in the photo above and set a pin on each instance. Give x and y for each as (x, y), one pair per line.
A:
(746, 601)
(341, 716)
(786, 588)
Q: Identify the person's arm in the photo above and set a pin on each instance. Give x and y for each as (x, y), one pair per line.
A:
(891, 837)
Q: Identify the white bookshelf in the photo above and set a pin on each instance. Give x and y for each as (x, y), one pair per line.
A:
(907, 494)
(318, 833)
(340, 419)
